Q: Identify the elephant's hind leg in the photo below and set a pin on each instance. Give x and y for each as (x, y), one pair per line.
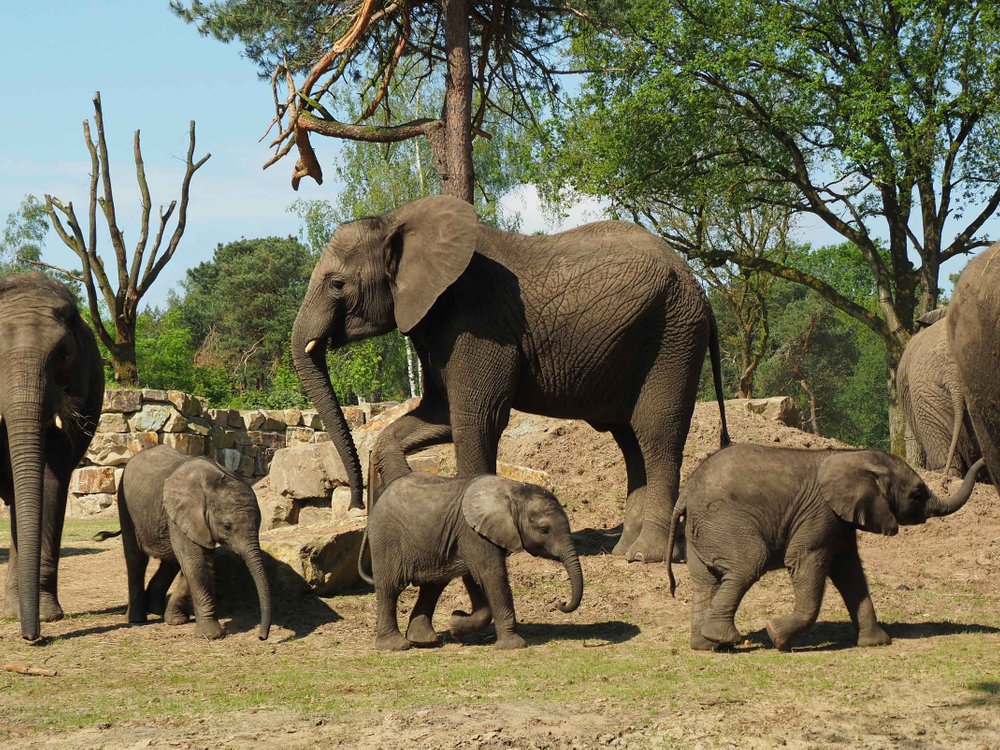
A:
(387, 635)
(704, 585)
(156, 590)
(420, 631)
(179, 607)
(720, 625)
(808, 580)
(635, 467)
(464, 623)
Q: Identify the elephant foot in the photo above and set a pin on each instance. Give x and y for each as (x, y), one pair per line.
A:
(420, 632)
(701, 643)
(650, 547)
(392, 642)
(510, 641)
(874, 637)
(720, 633)
(176, 617)
(210, 629)
(779, 638)
(462, 623)
(49, 610)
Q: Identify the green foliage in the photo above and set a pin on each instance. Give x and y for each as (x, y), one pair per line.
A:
(817, 355)
(23, 236)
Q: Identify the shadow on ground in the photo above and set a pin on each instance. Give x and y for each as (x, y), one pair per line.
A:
(836, 636)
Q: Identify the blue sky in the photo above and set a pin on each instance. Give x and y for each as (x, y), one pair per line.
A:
(156, 73)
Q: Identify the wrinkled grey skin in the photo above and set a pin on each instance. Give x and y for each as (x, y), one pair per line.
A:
(974, 335)
(51, 391)
(426, 530)
(175, 509)
(933, 398)
(603, 323)
(751, 508)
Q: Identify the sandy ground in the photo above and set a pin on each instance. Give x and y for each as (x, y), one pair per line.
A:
(936, 588)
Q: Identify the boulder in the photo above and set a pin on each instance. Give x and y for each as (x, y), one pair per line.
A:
(186, 443)
(276, 510)
(97, 505)
(122, 400)
(154, 394)
(525, 474)
(112, 422)
(778, 408)
(305, 472)
(89, 480)
(299, 436)
(322, 558)
(115, 449)
(229, 458)
(157, 417)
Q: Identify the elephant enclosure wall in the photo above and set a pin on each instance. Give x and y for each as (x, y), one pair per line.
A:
(242, 441)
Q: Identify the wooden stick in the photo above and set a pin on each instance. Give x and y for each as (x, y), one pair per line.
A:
(29, 670)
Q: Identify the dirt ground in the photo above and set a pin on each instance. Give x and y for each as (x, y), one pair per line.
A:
(621, 675)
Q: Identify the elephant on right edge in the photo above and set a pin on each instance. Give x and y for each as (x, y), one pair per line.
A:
(974, 334)
(933, 398)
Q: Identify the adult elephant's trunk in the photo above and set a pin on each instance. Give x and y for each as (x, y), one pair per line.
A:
(938, 507)
(23, 407)
(309, 355)
(252, 557)
(572, 563)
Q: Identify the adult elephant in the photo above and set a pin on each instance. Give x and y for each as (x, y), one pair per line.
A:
(603, 323)
(974, 335)
(933, 398)
(51, 390)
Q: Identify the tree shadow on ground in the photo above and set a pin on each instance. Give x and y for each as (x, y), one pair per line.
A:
(593, 635)
(837, 636)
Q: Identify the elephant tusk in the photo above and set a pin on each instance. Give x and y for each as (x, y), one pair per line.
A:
(59, 422)
(311, 345)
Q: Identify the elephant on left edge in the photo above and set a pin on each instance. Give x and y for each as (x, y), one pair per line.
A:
(51, 392)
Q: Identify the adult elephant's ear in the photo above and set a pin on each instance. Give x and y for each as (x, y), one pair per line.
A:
(857, 486)
(489, 508)
(429, 243)
(185, 498)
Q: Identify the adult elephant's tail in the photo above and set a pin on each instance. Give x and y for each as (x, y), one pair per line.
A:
(716, 356)
(365, 573)
(679, 509)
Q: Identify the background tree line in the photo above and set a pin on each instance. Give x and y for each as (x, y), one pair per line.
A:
(715, 123)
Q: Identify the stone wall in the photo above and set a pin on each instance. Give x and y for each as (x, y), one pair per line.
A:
(242, 441)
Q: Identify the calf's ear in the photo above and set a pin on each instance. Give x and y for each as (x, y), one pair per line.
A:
(185, 498)
(489, 507)
(856, 485)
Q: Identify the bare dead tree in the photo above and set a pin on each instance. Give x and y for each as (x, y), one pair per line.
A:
(135, 275)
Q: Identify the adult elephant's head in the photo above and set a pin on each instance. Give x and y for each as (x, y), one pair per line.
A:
(376, 274)
(49, 371)
(878, 492)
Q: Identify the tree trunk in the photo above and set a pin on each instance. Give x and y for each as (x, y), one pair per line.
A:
(458, 178)
(897, 419)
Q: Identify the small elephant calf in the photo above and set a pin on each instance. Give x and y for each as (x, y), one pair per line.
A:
(751, 508)
(176, 509)
(427, 530)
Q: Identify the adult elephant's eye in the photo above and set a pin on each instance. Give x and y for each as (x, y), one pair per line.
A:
(335, 283)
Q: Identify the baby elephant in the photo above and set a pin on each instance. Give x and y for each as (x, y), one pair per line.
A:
(177, 509)
(751, 509)
(426, 530)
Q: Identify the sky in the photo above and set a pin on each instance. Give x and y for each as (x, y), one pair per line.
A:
(156, 73)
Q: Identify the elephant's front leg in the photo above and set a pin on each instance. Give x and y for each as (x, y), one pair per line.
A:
(420, 631)
(421, 428)
(808, 571)
(11, 602)
(464, 623)
(496, 587)
(56, 488)
(156, 589)
(849, 578)
(199, 572)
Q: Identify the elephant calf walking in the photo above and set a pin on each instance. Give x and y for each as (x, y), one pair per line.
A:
(427, 530)
(176, 509)
(750, 509)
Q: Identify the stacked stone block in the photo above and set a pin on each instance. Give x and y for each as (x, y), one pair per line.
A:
(242, 441)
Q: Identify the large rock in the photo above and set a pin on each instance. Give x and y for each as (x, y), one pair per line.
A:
(778, 408)
(89, 480)
(276, 509)
(158, 417)
(114, 449)
(122, 400)
(322, 558)
(305, 472)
